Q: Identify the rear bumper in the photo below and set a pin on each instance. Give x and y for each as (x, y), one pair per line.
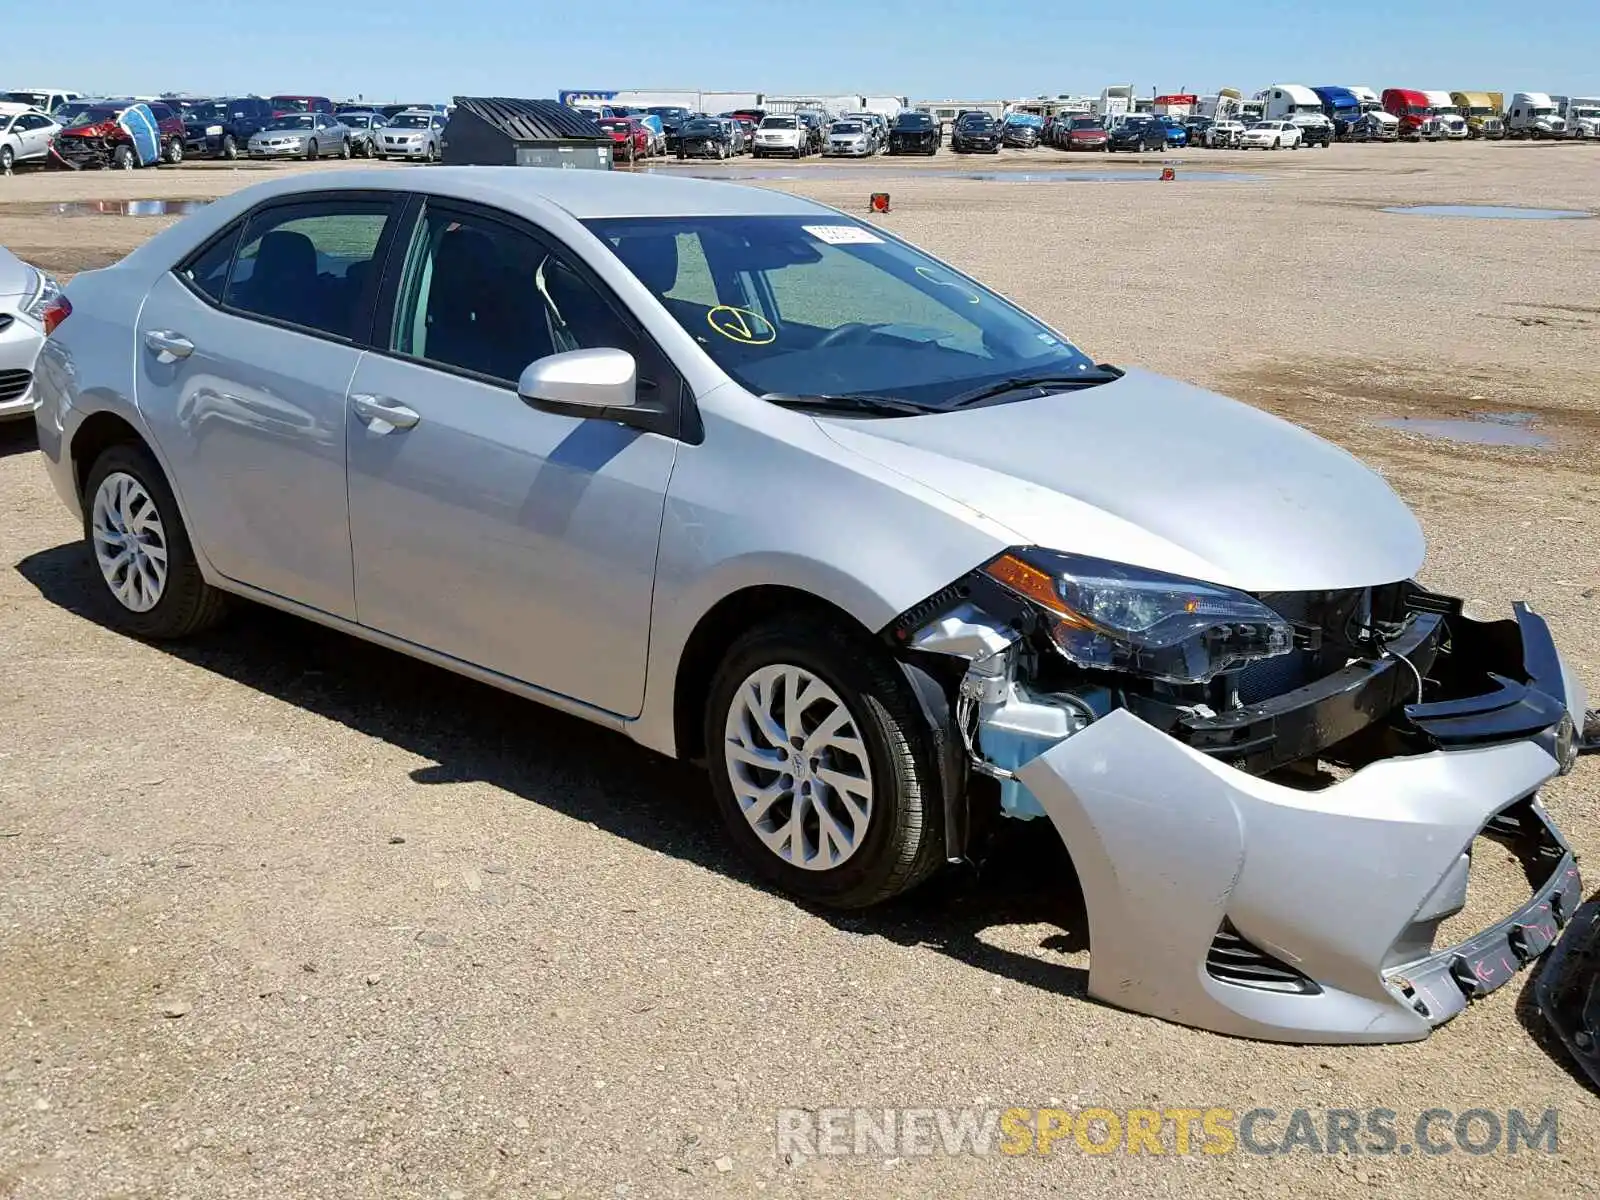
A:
(1223, 900)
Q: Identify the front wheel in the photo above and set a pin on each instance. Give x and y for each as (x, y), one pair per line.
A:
(821, 764)
(230, 148)
(344, 149)
(144, 559)
(122, 158)
(311, 150)
(174, 152)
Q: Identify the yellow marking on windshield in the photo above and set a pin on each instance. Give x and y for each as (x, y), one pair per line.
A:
(741, 325)
(934, 277)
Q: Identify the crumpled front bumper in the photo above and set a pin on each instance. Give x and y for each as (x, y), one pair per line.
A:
(1223, 900)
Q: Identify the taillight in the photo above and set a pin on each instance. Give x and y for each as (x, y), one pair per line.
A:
(57, 311)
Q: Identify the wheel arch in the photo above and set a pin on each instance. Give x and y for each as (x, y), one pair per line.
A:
(715, 632)
(95, 435)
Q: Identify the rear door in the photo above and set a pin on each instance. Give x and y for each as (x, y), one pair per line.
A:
(505, 535)
(245, 353)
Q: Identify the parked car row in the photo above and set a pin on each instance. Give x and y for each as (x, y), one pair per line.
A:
(53, 127)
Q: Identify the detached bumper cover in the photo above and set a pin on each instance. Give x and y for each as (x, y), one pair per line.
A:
(1221, 899)
(1172, 848)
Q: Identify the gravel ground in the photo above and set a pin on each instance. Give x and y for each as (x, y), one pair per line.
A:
(289, 915)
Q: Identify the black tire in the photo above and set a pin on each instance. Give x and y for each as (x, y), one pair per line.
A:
(173, 153)
(230, 147)
(7, 158)
(122, 158)
(344, 148)
(312, 154)
(189, 604)
(904, 841)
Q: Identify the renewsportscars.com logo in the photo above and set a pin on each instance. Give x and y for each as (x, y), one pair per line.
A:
(923, 1132)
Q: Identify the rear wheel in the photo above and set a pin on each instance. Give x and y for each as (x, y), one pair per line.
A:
(144, 559)
(174, 152)
(820, 763)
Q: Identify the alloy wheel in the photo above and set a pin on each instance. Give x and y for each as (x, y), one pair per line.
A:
(799, 768)
(130, 542)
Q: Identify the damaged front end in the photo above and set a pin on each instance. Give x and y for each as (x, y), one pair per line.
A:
(1270, 800)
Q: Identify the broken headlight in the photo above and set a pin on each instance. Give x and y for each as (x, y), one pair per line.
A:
(1109, 616)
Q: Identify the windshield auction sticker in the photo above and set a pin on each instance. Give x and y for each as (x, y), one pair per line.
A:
(741, 325)
(843, 235)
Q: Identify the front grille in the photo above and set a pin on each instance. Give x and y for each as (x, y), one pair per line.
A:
(14, 383)
(1234, 960)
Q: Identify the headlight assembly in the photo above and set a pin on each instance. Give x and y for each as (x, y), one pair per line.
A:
(1109, 616)
(45, 292)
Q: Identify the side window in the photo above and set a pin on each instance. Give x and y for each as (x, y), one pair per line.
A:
(484, 297)
(207, 272)
(309, 263)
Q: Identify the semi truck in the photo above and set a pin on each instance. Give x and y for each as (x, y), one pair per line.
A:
(1483, 111)
(1410, 108)
(1302, 108)
(1534, 115)
(1582, 115)
(1447, 122)
(1339, 105)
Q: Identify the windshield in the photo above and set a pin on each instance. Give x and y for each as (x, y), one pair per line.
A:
(975, 121)
(1085, 123)
(32, 99)
(1586, 112)
(821, 304)
(1540, 110)
(76, 117)
(206, 112)
(778, 123)
(844, 127)
(412, 121)
(702, 125)
(291, 104)
(914, 121)
(294, 121)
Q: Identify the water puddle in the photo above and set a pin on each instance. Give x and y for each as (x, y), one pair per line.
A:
(119, 208)
(1481, 429)
(778, 174)
(1490, 212)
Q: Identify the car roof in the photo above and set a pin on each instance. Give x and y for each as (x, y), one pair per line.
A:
(583, 194)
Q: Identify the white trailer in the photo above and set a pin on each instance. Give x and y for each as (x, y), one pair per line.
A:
(1116, 102)
(1222, 105)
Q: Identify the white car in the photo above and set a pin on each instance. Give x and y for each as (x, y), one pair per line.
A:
(25, 295)
(780, 135)
(25, 135)
(1271, 135)
(1225, 134)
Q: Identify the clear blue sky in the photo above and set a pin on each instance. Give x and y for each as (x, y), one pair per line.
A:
(432, 49)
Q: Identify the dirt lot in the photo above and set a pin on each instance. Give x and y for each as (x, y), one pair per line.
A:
(286, 915)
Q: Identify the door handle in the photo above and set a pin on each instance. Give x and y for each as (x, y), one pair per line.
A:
(382, 413)
(169, 346)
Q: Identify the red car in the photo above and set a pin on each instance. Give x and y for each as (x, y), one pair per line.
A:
(92, 137)
(1085, 133)
(630, 137)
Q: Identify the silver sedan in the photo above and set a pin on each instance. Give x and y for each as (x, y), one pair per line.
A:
(757, 484)
(301, 135)
(30, 301)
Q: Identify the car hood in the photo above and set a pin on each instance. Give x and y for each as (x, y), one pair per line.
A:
(1160, 474)
(16, 277)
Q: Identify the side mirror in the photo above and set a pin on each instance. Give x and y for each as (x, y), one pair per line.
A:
(584, 379)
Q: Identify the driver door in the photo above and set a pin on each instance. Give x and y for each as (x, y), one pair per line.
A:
(504, 535)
